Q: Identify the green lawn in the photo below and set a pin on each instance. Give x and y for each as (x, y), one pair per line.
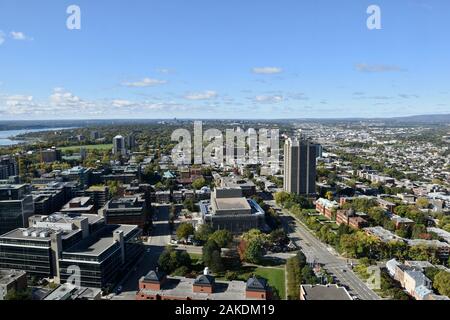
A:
(274, 276)
(195, 257)
(88, 147)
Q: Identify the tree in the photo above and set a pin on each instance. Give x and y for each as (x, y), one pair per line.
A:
(378, 215)
(223, 238)
(254, 234)
(114, 188)
(308, 276)
(19, 295)
(254, 251)
(171, 259)
(216, 263)
(231, 275)
(189, 205)
(278, 236)
(199, 183)
(185, 230)
(418, 231)
(203, 232)
(329, 195)
(422, 203)
(281, 197)
(442, 282)
(212, 256)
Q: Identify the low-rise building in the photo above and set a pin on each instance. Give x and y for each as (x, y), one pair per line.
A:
(12, 280)
(229, 210)
(382, 234)
(79, 205)
(69, 291)
(127, 210)
(401, 222)
(323, 292)
(444, 235)
(157, 285)
(351, 218)
(54, 245)
(326, 207)
(99, 195)
(443, 248)
(162, 196)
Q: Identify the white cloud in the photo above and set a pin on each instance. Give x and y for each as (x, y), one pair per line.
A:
(61, 97)
(206, 95)
(146, 82)
(267, 70)
(18, 100)
(269, 99)
(121, 103)
(17, 35)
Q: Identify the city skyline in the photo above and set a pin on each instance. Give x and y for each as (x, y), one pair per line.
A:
(232, 60)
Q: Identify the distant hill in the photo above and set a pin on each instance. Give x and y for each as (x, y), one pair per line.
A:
(439, 119)
(425, 118)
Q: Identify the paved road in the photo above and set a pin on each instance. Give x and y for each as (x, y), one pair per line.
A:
(153, 249)
(316, 251)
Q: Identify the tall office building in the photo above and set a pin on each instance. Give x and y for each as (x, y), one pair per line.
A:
(51, 155)
(299, 167)
(8, 167)
(16, 206)
(52, 245)
(131, 141)
(119, 145)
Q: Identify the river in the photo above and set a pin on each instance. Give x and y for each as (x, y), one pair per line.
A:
(7, 134)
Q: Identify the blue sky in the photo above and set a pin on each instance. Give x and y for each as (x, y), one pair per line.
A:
(223, 59)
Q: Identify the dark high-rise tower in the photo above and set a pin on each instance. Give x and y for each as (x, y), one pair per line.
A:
(299, 167)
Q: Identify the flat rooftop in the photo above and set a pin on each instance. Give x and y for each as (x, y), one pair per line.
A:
(37, 234)
(9, 275)
(232, 204)
(100, 241)
(183, 288)
(325, 292)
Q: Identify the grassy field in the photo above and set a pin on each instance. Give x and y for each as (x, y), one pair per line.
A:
(274, 276)
(88, 147)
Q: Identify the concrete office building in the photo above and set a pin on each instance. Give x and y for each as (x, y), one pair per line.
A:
(119, 146)
(79, 174)
(99, 195)
(79, 205)
(228, 209)
(127, 210)
(131, 141)
(8, 167)
(16, 205)
(299, 167)
(12, 280)
(50, 155)
(53, 245)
